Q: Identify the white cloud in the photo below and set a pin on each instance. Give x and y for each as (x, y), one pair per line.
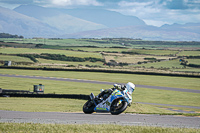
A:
(74, 2)
(9, 6)
(156, 13)
(153, 12)
(135, 4)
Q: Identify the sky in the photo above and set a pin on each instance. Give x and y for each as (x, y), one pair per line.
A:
(153, 12)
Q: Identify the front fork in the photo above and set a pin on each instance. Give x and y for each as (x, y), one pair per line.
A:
(92, 97)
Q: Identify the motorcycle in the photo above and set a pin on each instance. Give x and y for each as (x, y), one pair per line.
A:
(115, 102)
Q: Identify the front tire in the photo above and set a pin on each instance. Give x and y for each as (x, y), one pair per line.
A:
(88, 107)
(117, 108)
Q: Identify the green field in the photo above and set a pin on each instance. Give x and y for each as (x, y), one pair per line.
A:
(63, 87)
(132, 54)
(167, 81)
(51, 63)
(14, 58)
(107, 42)
(86, 128)
(50, 51)
(194, 61)
(164, 64)
(60, 42)
(154, 52)
(189, 53)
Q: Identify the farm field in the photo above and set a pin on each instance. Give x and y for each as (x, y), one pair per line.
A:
(15, 58)
(50, 51)
(51, 63)
(106, 42)
(113, 53)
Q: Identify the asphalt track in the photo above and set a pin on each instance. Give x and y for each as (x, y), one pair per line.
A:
(99, 118)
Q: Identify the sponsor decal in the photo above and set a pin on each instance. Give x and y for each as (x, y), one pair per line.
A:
(101, 108)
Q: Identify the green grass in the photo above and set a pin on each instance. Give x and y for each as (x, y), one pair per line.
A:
(41, 104)
(86, 128)
(50, 51)
(166, 97)
(65, 105)
(189, 53)
(140, 94)
(14, 58)
(98, 49)
(63, 87)
(60, 42)
(167, 81)
(94, 52)
(105, 43)
(51, 86)
(188, 69)
(194, 61)
(163, 64)
(154, 52)
(54, 62)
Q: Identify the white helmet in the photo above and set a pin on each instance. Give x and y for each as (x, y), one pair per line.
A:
(130, 87)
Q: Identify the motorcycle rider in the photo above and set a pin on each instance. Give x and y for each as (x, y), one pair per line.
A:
(105, 93)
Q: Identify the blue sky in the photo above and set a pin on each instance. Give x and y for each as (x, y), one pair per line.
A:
(153, 12)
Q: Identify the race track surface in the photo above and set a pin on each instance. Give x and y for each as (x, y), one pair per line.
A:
(99, 118)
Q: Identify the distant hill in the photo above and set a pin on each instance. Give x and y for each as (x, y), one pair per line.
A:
(16, 23)
(98, 17)
(36, 21)
(108, 18)
(184, 33)
(189, 27)
(58, 19)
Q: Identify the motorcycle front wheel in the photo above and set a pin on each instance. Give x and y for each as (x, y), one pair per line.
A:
(118, 106)
(88, 107)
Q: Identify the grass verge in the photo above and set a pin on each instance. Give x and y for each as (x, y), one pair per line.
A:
(154, 80)
(86, 128)
(73, 105)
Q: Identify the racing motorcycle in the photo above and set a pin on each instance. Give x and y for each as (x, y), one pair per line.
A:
(115, 101)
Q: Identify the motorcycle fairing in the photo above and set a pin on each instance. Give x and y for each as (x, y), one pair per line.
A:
(104, 106)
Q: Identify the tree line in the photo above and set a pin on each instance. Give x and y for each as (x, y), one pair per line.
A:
(59, 57)
(6, 35)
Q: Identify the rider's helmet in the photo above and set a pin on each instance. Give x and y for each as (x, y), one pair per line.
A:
(130, 87)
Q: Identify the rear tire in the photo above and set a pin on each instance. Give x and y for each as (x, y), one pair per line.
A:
(88, 107)
(115, 110)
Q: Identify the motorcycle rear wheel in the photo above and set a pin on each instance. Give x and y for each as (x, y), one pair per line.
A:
(116, 108)
(88, 107)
